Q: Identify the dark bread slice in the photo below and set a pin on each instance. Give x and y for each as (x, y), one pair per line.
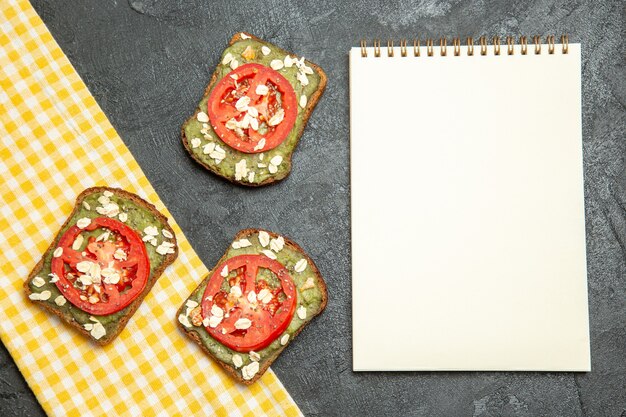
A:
(311, 103)
(268, 360)
(131, 308)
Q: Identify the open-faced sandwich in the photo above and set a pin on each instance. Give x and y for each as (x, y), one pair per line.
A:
(103, 262)
(258, 297)
(253, 112)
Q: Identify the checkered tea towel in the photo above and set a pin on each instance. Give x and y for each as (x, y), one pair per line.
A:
(55, 142)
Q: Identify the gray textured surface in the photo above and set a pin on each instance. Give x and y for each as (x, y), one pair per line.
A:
(147, 63)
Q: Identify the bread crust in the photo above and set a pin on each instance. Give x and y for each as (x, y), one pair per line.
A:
(168, 260)
(229, 369)
(311, 103)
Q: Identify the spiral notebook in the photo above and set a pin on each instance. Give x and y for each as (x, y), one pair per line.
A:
(468, 230)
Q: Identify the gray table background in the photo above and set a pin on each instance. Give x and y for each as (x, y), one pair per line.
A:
(147, 63)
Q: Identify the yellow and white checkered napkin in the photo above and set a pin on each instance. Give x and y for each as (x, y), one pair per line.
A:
(55, 141)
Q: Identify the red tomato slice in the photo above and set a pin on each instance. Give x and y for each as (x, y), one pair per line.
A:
(267, 318)
(118, 268)
(243, 115)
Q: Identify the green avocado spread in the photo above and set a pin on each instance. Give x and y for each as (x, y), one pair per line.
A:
(136, 217)
(310, 292)
(200, 134)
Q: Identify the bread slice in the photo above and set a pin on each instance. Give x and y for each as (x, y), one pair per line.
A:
(311, 291)
(192, 128)
(139, 214)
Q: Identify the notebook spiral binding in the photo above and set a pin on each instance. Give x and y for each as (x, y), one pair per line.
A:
(456, 46)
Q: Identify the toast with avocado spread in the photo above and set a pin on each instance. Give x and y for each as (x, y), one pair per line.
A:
(256, 300)
(103, 262)
(253, 112)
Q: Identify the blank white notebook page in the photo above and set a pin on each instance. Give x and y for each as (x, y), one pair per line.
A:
(468, 230)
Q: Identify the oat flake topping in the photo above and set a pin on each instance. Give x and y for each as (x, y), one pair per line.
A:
(84, 222)
(264, 238)
(269, 254)
(202, 117)
(300, 265)
(237, 361)
(249, 371)
(301, 311)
